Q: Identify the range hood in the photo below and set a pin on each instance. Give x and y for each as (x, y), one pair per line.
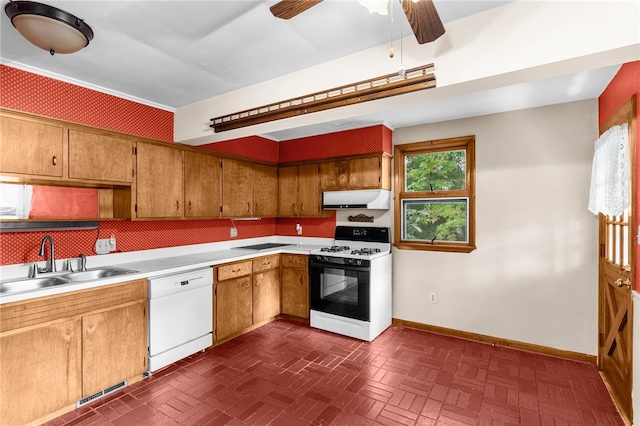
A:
(375, 199)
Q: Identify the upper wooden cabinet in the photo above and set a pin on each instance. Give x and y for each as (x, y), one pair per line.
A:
(31, 146)
(367, 172)
(202, 185)
(237, 188)
(299, 188)
(159, 189)
(265, 190)
(96, 156)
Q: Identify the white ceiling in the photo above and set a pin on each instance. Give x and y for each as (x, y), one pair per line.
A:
(173, 53)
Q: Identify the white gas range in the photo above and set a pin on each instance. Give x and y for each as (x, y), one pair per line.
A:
(350, 283)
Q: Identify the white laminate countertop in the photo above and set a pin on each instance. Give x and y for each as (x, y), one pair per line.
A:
(160, 262)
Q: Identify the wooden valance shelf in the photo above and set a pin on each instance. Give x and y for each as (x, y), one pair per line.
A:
(412, 80)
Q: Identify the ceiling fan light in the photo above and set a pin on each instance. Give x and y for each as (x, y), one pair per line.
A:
(49, 28)
(377, 6)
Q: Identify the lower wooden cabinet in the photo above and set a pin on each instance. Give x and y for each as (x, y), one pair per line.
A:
(295, 285)
(40, 371)
(233, 307)
(58, 349)
(111, 351)
(266, 295)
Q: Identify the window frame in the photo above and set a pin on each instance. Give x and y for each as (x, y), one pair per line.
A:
(466, 143)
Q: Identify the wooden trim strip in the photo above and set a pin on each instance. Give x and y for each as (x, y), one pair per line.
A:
(514, 344)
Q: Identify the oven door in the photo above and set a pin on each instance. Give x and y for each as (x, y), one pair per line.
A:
(339, 289)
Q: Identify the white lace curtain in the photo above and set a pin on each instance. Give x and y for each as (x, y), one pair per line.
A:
(610, 185)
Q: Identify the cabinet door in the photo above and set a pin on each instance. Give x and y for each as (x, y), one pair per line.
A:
(265, 194)
(99, 157)
(40, 372)
(334, 175)
(30, 147)
(365, 173)
(114, 347)
(159, 181)
(233, 306)
(266, 295)
(288, 190)
(237, 188)
(308, 190)
(201, 185)
(295, 292)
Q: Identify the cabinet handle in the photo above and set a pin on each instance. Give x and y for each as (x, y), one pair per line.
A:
(302, 208)
(301, 283)
(235, 270)
(248, 207)
(189, 206)
(255, 208)
(293, 207)
(177, 205)
(54, 160)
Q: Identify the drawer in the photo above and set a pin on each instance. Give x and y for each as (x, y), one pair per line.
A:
(265, 263)
(232, 270)
(294, 261)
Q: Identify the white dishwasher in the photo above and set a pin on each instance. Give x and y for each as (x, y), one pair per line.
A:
(180, 316)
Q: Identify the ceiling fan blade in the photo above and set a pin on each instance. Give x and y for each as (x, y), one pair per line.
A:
(287, 9)
(424, 19)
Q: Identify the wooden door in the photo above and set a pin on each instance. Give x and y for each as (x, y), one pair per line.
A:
(295, 292)
(334, 175)
(114, 346)
(159, 181)
(288, 191)
(266, 295)
(309, 190)
(30, 147)
(40, 371)
(616, 278)
(202, 185)
(94, 156)
(265, 194)
(237, 188)
(233, 309)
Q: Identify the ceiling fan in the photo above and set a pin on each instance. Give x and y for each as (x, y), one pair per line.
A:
(422, 15)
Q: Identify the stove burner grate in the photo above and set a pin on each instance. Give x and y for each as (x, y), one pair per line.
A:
(334, 249)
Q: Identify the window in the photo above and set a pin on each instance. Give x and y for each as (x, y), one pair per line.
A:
(435, 195)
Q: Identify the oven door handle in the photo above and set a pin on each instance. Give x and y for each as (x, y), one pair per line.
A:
(316, 264)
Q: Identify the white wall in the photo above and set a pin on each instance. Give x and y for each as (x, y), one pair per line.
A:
(533, 277)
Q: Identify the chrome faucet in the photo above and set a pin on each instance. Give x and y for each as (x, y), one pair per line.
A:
(51, 266)
(82, 262)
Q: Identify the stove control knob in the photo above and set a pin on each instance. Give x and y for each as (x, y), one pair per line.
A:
(358, 262)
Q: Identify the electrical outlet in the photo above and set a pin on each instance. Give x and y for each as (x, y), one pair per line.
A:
(105, 246)
(432, 297)
(233, 232)
(298, 229)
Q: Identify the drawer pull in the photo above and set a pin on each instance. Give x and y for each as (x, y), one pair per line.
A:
(177, 205)
(54, 160)
(235, 270)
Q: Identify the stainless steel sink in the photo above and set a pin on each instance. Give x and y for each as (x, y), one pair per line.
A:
(96, 274)
(31, 284)
(60, 278)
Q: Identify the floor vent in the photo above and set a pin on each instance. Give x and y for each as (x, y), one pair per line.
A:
(100, 394)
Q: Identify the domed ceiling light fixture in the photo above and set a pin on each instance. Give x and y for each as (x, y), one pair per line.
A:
(48, 27)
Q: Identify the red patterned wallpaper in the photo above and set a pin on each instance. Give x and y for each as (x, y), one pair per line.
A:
(348, 142)
(625, 84)
(253, 147)
(25, 91)
(21, 247)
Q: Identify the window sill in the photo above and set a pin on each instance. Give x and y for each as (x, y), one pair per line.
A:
(444, 247)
